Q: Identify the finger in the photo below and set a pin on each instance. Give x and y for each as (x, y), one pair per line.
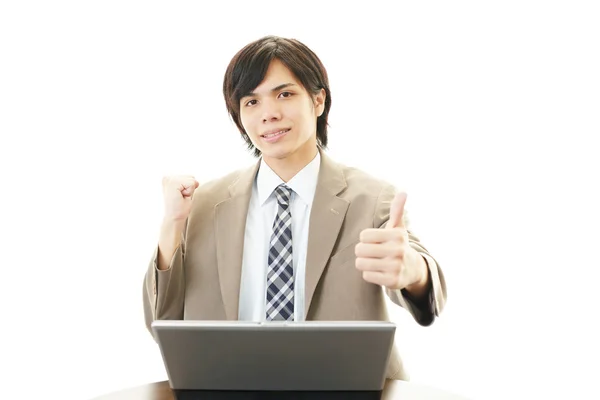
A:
(375, 235)
(188, 192)
(384, 265)
(397, 211)
(378, 250)
(380, 278)
(188, 187)
(188, 183)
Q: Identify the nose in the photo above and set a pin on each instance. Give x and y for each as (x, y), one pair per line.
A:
(271, 112)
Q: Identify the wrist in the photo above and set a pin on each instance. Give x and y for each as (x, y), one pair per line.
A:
(172, 224)
(421, 282)
(170, 234)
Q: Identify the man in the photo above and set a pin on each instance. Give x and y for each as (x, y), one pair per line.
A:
(297, 236)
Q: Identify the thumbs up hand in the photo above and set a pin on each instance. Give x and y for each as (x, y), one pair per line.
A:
(385, 257)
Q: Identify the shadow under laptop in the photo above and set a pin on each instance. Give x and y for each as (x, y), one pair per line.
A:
(279, 395)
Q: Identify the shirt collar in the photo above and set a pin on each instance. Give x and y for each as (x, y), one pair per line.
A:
(304, 183)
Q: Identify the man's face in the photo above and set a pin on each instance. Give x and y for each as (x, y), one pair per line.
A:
(280, 116)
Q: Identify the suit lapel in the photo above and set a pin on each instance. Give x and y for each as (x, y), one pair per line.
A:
(326, 218)
(230, 228)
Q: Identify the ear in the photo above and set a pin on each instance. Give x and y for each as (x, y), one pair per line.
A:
(319, 100)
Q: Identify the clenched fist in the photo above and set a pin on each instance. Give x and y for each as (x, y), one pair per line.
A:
(177, 193)
(385, 257)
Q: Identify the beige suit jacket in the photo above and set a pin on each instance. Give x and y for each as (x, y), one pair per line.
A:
(203, 280)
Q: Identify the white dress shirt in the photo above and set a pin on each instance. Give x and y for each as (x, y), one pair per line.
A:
(259, 227)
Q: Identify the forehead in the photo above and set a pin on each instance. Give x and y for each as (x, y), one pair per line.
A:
(277, 74)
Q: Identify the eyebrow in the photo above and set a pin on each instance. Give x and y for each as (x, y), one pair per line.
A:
(275, 89)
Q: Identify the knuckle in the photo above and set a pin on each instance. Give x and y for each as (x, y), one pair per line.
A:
(360, 262)
(397, 251)
(358, 249)
(364, 234)
(399, 234)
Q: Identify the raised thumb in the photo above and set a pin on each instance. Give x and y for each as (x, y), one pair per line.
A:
(397, 211)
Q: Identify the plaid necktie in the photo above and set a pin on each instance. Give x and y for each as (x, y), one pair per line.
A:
(280, 275)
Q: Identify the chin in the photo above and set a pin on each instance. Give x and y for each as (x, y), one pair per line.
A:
(277, 154)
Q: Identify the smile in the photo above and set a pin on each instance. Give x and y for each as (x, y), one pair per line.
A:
(273, 136)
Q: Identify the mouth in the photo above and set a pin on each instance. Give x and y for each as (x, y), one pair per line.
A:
(274, 136)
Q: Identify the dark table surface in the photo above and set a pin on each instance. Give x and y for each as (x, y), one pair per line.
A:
(393, 390)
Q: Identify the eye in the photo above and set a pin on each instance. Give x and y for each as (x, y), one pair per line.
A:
(286, 94)
(250, 103)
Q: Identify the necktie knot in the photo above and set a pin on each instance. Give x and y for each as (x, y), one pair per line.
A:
(283, 193)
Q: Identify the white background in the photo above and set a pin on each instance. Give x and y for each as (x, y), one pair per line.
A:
(486, 113)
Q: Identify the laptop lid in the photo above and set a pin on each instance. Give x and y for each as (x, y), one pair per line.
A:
(311, 355)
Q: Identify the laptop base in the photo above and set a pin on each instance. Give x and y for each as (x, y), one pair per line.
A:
(275, 395)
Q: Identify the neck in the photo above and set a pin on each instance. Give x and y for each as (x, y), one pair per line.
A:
(286, 168)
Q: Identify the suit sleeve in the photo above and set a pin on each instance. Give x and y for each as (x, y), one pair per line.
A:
(164, 291)
(426, 310)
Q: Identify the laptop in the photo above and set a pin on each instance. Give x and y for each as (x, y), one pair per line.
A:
(275, 356)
